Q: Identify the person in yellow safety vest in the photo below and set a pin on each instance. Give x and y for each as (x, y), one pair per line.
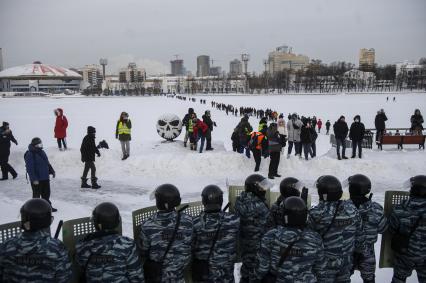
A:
(123, 133)
(258, 144)
(192, 138)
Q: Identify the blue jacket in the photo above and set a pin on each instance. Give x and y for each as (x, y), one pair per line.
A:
(37, 164)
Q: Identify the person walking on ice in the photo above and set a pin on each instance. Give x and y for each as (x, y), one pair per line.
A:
(123, 133)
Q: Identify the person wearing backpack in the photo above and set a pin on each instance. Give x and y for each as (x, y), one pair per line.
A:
(291, 252)
(258, 144)
(38, 170)
(214, 241)
(106, 256)
(340, 226)
(407, 224)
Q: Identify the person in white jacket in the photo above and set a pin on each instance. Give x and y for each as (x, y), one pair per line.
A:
(293, 127)
(282, 129)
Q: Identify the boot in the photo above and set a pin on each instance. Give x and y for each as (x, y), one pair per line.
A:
(84, 184)
(184, 144)
(95, 184)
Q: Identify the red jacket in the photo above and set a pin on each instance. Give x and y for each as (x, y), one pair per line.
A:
(200, 126)
(61, 125)
(319, 123)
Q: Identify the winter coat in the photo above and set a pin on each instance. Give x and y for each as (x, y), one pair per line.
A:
(319, 124)
(5, 140)
(380, 120)
(208, 121)
(61, 125)
(37, 164)
(200, 129)
(305, 135)
(340, 130)
(244, 130)
(417, 122)
(88, 149)
(274, 140)
(327, 125)
(357, 131)
(125, 136)
(282, 129)
(314, 134)
(294, 128)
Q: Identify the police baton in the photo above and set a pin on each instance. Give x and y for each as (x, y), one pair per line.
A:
(58, 229)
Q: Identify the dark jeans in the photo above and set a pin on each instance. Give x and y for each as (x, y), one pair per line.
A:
(328, 130)
(202, 138)
(257, 154)
(246, 149)
(297, 147)
(7, 168)
(275, 162)
(307, 150)
(340, 143)
(60, 142)
(89, 165)
(356, 144)
(209, 139)
(314, 149)
(42, 190)
(379, 134)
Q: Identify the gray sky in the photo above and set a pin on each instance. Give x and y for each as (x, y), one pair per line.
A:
(72, 33)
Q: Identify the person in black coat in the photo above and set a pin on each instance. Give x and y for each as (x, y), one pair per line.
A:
(274, 148)
(417, 123)
(380, 124)
(306, 138)
(314, 140)
(341, 132)
(6, 137)
(88, 150)
(327, 126)
(356, 134)
(208, 121)
(185, 122)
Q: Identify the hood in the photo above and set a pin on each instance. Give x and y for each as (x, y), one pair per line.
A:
(341, 117)
(60, 111)
(357, 117)
(190, 110)
(417, 112)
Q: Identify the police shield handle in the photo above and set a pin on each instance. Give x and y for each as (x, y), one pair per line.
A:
(226, 206)
(58, 229)
(183, 208)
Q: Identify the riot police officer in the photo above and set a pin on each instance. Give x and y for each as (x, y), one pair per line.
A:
(165, 238)
(253, 211)
(105, 255)
(214, 244)
(33, 255)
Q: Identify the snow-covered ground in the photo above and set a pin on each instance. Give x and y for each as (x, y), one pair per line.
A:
(153, 162)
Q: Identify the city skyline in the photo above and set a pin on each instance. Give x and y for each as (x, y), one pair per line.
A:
(149, 34)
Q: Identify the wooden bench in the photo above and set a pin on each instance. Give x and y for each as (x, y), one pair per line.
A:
(401, 140)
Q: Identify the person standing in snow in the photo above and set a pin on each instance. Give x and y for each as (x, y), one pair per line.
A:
(274, 147)
(379, 122)
(200, 129)
(123, 133)
(88, 150)
(319, 124)
(341, 132)
(327, 127)
(61, 126)
(187, 122)
(356, 134)
(293, 128)
(208, 121)
(416, 123)
(282, 129)
(306, 138)
(6, 137)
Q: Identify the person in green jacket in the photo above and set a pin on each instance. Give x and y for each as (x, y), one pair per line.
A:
(123, 133)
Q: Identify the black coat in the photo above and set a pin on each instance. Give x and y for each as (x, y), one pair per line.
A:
(327, 125)
(416, 122)
(379, 121)
(88, 149)
(305, 135)
(313, 134)
(208, 121)
(340, 130)
(357, 131)
(5, 145)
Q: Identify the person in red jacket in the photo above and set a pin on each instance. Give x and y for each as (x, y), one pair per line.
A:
(61, 126)
(200, 129)
(319, 124)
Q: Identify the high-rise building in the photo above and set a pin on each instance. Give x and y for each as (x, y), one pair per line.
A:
(203, 65)
(92, 75)
(284, 58)
(1, 60)
(177, 67)
(366, 59)
(235, 68)
(132, 74)
(215, 71)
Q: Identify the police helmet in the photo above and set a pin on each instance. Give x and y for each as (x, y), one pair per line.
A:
(290, 187)
(329, 188)
(295, 212)
(36, 214)
(417, 185)
(212, 197)
(257, 184)
(167, 197)
(359, 185)
(106, 216)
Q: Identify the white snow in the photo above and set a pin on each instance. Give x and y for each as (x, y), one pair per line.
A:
(153, 161)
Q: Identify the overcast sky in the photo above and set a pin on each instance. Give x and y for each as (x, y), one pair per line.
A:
(72, 33)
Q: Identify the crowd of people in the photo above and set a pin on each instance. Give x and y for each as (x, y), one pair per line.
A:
(287, 242)
(198, 130)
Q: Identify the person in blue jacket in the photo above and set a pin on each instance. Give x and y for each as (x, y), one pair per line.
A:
(38, 170)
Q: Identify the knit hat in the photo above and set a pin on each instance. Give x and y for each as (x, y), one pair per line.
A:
(342, 117)
(35, 141)
(91, 130)
(5, 124)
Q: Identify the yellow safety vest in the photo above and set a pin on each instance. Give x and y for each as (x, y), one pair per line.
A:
(123, 129)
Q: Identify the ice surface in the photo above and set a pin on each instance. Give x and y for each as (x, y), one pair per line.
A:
(154, 161)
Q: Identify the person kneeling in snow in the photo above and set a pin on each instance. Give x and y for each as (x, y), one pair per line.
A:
(88, 150)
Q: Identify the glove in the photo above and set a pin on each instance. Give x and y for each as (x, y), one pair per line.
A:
(53, 175)
(99, 154)
(35, 183)
(16, 143)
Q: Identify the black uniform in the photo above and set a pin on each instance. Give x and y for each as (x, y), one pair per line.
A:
(341, 132)
(356, 134)
(6, 137)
